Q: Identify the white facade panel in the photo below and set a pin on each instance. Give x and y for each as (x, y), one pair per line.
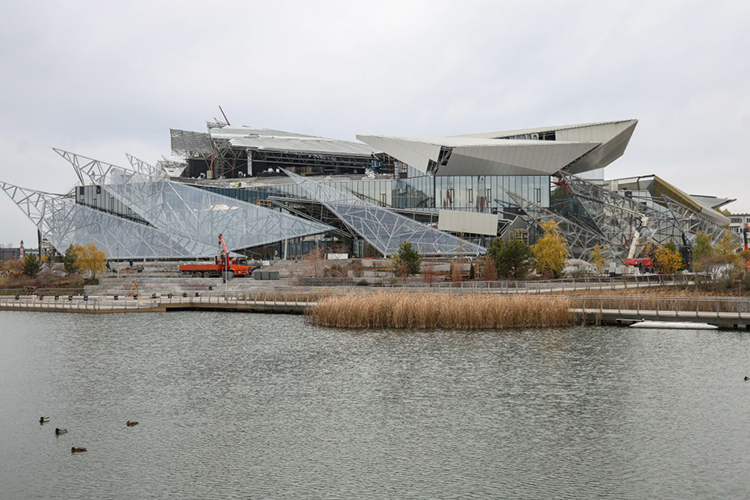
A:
(467, 222)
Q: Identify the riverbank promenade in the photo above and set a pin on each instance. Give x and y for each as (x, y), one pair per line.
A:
(154, 303)
(724, 312)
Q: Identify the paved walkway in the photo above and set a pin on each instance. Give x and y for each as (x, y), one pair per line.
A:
(95, 305)
(628, 316)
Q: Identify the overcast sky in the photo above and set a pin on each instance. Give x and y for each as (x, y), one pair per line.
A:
(102, 80)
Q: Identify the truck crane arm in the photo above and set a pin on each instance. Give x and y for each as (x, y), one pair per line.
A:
(223, 243)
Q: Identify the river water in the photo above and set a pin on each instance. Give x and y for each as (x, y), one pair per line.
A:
(265, 406)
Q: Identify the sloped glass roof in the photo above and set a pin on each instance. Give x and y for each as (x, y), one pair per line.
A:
(192, 212)
(65, 222)
(383, 228)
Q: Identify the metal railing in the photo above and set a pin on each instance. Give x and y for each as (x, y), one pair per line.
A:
(295, 297)
(680, 305)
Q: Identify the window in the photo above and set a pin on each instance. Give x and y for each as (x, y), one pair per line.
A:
(470, 195)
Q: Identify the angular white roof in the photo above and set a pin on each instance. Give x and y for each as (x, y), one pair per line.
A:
(597, 132)
(574, 148)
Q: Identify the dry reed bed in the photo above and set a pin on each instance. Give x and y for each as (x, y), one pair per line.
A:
(421, 310)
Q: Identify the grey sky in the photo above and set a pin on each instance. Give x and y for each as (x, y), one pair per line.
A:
(101, 80)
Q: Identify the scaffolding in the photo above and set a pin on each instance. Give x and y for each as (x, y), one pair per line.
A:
(623, 224)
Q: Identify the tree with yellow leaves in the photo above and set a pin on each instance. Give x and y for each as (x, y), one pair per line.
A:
(91, 259)
(668, 259)
(550, 251)
(727, 244)
(597, 258)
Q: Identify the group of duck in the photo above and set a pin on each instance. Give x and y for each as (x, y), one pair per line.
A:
(74, 449)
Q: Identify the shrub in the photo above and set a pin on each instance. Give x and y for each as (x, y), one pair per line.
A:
(455, 271)
(10, 268)
(31, 265)
(70, 259)
(406, 261)
(489, 268)
(428, 273)
(513, 260)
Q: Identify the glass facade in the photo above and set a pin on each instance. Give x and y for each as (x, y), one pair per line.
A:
(201, 215)
(484, 194)
(64, 222)
(382, 228)
(193, 214)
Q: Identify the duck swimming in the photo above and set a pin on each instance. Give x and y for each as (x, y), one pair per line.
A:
(77, 450)
(131, 424)
(43, 419)
(60, 431)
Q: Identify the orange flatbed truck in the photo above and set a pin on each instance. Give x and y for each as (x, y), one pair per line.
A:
(238, 267)
(222, 263)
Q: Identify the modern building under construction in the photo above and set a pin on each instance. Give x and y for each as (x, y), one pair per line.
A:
(277, 194)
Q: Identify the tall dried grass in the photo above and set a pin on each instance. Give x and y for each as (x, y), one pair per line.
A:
(464, 312)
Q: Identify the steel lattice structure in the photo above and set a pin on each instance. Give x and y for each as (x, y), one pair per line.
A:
(384, 229)
(580, 238)
(620, 224)
(64, 223)
(690, 222)
(622, 220)
(191, 212)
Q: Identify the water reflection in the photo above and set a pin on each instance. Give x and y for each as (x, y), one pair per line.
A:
(243, 405)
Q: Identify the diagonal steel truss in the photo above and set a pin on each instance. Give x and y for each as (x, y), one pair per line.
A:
(192, 212)
(691, 222)
(65, 222)
(384, 229)
(580, 238)
(619, 223)
(623, 221)
(658, 220)
(144, 168)
(314, 211)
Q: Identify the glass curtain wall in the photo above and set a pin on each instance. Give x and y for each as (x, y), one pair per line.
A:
(484, 194)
